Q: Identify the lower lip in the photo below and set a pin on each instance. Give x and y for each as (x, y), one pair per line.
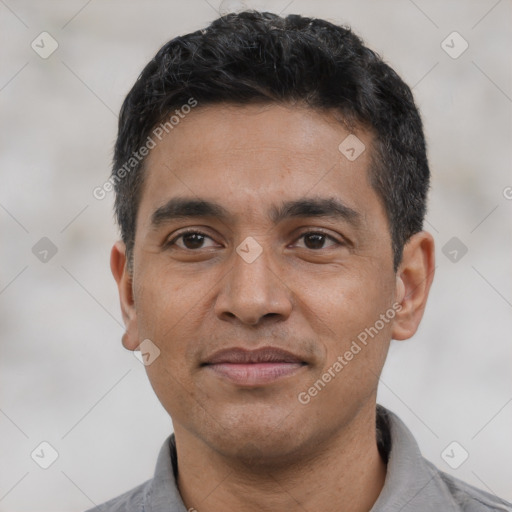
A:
(254, 374)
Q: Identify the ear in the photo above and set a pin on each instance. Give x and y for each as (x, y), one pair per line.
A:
(413, 280)
(119, 267)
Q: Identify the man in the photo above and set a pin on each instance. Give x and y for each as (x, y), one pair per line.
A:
(271, 181)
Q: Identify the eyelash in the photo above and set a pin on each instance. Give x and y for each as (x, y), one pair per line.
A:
(196, 232)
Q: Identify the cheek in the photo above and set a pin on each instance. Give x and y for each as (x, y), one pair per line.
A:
(171, 309)
(348, 301)
(356, 342)
(345, 311)
(167, 314)
(163, 300)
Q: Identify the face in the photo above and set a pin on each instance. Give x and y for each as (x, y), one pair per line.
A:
(262, 257)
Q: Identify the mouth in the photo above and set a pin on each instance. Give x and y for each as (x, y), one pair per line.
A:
(254, 367)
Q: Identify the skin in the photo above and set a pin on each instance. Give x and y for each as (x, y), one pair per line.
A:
(258, 448)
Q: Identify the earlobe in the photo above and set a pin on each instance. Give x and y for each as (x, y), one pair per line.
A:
(122, 275)
(414, 278)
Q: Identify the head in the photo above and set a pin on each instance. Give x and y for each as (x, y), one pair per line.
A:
(295, 158)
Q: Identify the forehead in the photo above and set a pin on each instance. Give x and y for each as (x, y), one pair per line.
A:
(252, 157)
(226, 128)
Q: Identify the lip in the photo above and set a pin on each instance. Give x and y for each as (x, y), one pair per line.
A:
(254, 367)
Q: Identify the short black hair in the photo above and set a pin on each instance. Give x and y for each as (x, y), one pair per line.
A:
(260, 57)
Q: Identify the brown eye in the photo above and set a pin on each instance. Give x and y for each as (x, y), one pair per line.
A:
(316, 240)
(189, 240)
(193, 240)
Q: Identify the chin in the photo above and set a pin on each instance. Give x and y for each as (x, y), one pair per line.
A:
(259, 438)
(263, 451)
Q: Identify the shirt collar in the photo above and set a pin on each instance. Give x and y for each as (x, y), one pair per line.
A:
(163, 494)
(412, 483)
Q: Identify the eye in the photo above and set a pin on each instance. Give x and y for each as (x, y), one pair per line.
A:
(190, 240)
(315, 239)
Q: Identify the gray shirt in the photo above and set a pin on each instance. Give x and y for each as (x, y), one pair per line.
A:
(413, 484)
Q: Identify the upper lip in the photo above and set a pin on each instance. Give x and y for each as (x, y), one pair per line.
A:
(238, 355)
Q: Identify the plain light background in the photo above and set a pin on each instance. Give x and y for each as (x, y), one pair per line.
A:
(65, 377)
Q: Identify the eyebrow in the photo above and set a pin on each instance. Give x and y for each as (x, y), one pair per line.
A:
(185, 208)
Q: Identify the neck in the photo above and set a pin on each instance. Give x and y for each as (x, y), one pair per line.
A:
(345, 473)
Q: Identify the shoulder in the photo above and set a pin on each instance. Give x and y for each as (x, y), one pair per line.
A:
(468, 498)
(130, 501)
(414, 483)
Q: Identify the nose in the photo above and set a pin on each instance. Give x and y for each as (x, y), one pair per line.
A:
(252, 291)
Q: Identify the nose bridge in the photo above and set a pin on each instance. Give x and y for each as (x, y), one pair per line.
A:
(251, 289)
